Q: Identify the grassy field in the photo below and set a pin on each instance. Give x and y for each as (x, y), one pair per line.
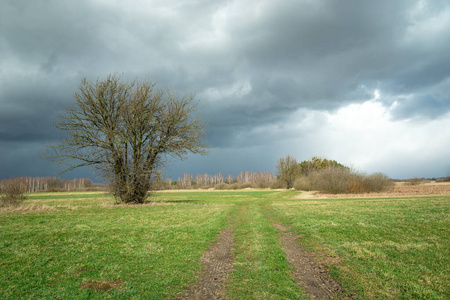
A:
(56, 245)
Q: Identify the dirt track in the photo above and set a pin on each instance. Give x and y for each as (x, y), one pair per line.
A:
(309, 272)
(217, 265)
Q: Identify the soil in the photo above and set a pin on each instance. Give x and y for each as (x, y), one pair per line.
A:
(217, 265)
(309, 274)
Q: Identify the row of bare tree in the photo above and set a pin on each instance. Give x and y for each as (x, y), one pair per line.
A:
(45, 184)
(206, 180)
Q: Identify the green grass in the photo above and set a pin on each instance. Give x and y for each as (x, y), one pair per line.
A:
(388, 248)
(391, 248)
(261, 268)
(154, 249)
(68, 199)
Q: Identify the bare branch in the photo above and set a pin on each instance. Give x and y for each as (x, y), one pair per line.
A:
(127, 130)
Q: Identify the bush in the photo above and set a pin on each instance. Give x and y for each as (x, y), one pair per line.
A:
(355, 186)
(304, 183)
(221, 186)
(13, 191)
(243, 185)
(415, 181)
(261, 184)
(278, 184)
(443, 179)
(333, 180)
(337, 180)
(377, 182)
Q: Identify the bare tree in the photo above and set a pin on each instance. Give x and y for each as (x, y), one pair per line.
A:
(127, 131)
(287, 170)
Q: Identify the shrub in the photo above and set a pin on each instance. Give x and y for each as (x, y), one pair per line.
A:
(415, 181)
(261, 184)
(355, 186)
(377, 182)
(233, 186)
(246, 185)
(12, 192)
(304, 183)
(242, 185)
(221, 186)
(333, 180)
(443, 179)
(278, 184)
(338, 180)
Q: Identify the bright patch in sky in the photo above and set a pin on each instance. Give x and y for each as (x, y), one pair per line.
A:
(236, 90)
(366, 137)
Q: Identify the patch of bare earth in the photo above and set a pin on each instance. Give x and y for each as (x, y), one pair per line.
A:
(217, 265)
(308, 273)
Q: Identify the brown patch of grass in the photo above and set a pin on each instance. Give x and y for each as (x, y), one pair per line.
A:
(399, 190)
(31, 207)
(281, 227)
(103, 285)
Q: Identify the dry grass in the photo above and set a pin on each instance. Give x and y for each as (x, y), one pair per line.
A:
(31, 207)
(399, 190)
(103, 285)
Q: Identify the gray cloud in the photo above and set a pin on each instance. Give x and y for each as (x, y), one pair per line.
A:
(252, 63)
(429, 106)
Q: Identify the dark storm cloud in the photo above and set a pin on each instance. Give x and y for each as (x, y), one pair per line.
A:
(252, 63)
(29, 107)
(422, 106)
(323, 54)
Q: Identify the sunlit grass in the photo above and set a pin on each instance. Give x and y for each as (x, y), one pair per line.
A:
(392, 248)
(153, 249)
(69, 199)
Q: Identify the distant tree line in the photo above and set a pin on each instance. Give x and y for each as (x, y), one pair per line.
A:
(243, 179)
(48, 184)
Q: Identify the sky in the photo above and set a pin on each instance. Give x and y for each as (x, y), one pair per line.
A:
(366, 83)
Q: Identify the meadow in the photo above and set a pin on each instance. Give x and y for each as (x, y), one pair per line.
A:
(83, 246)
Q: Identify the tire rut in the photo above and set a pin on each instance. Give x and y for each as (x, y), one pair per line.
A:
(217, 265)
(309, 275)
